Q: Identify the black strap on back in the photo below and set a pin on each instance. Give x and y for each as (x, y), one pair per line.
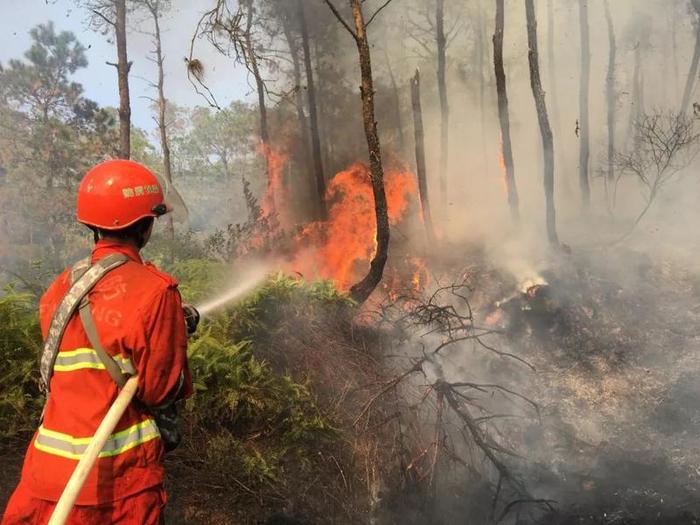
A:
(84, 277)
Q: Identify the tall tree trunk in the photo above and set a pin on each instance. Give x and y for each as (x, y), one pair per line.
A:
(444, 109)
(299, 103)
(503, 117)
(610, 95)
(552, 66)
(251, 60)
(481, 51)
(584, 92)
(693, 73)
(154, 8)
(123, 67)
(313, 114)
(362, 290)
(420, 158)
(397, 101)
(324, 129)
(637, 99)
(674, 50)
(545, 129)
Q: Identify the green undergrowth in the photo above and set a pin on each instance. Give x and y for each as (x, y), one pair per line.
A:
(20, 343)
(246, 416)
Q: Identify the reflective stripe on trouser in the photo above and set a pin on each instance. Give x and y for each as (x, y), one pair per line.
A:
(87, 358)
(70, 447)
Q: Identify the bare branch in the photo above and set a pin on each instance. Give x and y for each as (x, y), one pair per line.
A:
(379, 10)
(106, 20)
(341, 19)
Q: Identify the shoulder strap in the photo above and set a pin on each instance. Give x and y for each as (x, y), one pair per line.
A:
(84, 278)
(91, 330)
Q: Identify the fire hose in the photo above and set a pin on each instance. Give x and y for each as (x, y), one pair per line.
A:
(87, 461)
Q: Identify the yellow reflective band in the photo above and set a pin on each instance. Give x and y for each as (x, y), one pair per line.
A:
(87, 358)
(69, 447)
(78, 351)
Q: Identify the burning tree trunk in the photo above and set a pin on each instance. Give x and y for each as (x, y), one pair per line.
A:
(251, 61)
(610, 95)
(313, 115)
(362, 290)
(420, 157)
(154, 8)
(504, 119)
(585, 145)
(545, 129)
(123, 66)
(693, 73)
(442, 90)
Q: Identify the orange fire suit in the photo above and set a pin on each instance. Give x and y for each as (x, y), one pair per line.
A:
(138, 314)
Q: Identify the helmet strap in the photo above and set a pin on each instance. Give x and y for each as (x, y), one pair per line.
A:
(95, 233)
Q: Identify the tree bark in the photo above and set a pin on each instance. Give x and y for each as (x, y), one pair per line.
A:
(637, 108)
(481, 50)
(545, 129)
(154, 8)
(251, 60)
(503, 117)
(299, 103)
(674, 50)
(313, 115)
(552, 66)
(123, 67)
(421, 171)
(324, 129)
(610, 94)
(361, 291)
(693, 73)
(584, 93)
(397, 102)
(444, 109)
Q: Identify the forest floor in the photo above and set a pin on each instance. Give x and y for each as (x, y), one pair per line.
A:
(617, 381)
(615, 348)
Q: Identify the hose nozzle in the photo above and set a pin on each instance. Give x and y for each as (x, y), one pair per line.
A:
(191, 318)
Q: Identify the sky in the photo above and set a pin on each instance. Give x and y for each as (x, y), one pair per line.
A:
(227, 80)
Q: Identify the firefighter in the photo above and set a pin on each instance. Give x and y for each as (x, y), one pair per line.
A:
(138, 315)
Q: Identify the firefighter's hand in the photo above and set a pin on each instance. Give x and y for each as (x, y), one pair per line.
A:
(191, 318)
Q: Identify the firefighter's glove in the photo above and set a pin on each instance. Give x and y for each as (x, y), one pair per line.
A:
(191, 318)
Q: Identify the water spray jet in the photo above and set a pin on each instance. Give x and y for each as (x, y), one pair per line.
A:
(249, 281)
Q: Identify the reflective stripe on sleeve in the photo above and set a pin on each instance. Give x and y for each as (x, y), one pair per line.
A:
(88, 358)
(70, 447)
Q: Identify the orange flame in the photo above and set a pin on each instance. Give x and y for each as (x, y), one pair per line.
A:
(341, 247)
(420, 274)
(276, 194)
(502, 165)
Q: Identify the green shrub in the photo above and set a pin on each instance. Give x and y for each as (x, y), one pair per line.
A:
(199, 278)
(276, 304)
(20, 345)
(255, 418)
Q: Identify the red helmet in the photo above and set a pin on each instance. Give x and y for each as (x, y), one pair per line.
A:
(117, 193)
